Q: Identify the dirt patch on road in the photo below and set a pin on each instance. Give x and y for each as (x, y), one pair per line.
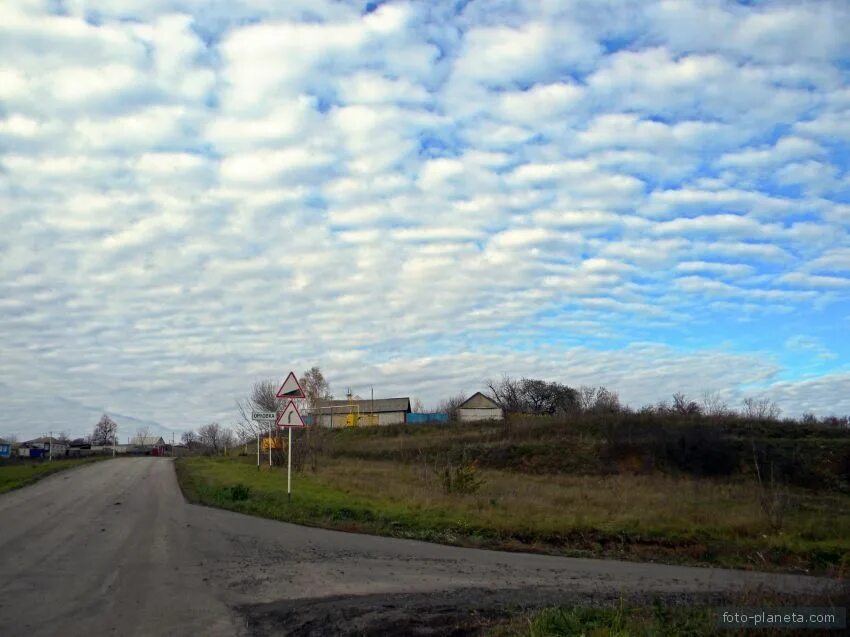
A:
(456, 613)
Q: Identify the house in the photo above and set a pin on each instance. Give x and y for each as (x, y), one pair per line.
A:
(147, 442)
(5, 449)
(378, 411)
(479, 407)
(154, 445)
(46, 446)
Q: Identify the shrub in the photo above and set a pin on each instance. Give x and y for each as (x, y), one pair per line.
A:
(238, 492)
(462, 479)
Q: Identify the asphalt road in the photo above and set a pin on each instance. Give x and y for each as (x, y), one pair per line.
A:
(112, 548)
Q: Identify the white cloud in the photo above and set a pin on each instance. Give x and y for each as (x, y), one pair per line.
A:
(192, 198)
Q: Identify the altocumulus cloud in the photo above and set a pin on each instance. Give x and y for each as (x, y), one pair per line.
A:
(652, 195)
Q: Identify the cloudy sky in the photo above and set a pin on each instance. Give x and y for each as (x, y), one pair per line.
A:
(651, 196)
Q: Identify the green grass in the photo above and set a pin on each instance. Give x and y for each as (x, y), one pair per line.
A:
(14, 475)
(619, 621)
(653, 619)
(639, 517)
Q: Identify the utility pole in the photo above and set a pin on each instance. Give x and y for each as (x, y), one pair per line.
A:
(50, 446)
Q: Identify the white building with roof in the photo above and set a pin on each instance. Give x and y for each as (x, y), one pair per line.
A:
(479, 407)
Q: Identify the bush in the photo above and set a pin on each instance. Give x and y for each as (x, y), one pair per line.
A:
(238, 492)
(462, 479)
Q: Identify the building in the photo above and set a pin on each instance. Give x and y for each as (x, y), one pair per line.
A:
(479, 407)
(44, 447)
(5, 449)
(154, 445)
(380, 411)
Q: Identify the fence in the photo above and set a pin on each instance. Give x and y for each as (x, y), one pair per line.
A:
(418, 419)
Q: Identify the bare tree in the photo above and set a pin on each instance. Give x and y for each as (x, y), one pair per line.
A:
(63, 437)
(211, 436)
(761, 409)
(450, 406)
(227, 439)
(507, 393)
(685, 407)
(598, 400)
(263, 397)
(189, 438)
(105, 431)
(586, 398)
(713, 404)
(142, 433)
(316, 389)
(417, 407)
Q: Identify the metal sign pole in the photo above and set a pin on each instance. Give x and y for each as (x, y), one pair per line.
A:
(259, 433)
(270, 444)
(289, 467)
(290, 390)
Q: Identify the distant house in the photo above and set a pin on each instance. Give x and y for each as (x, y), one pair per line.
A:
(479, 407)
(153, 445)
(5, 449)
(147, 442)
(380, 411)
(45, 446)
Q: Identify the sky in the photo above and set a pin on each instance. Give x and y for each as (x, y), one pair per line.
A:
(417, 197)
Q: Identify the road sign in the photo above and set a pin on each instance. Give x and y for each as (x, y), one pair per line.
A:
(289, 417)
(263, 415)
(290, 388)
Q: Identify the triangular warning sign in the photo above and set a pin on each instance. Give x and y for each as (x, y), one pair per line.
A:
(289, 417)
(290, 388)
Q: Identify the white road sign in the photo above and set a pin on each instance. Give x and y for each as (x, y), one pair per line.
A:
(263, 415)
(290, 417)
(291, 388)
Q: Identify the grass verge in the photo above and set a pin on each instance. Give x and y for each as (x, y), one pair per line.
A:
(619, 621)
(643, 518)
(17, 475)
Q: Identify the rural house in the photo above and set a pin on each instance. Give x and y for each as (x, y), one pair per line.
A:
(380, 411)
(479, 407)
(154, 444)
(42, 447)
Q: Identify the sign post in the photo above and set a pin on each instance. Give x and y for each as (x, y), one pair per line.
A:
(261, 417)
(289, 467)
(289, 418)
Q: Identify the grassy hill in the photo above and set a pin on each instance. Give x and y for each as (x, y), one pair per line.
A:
(682, 490)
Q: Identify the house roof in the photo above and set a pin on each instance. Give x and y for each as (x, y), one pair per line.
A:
(479, 401)
(147, 440)
(378, 406)
(42, 439)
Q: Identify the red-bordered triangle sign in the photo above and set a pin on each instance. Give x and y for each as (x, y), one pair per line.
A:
(290, 388)
(289, 417)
